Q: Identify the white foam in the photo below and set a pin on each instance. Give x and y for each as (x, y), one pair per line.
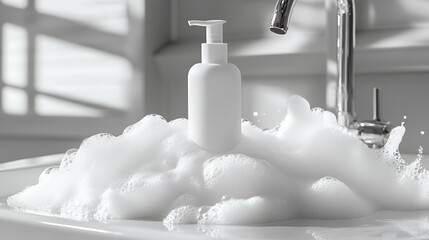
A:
(308, 166)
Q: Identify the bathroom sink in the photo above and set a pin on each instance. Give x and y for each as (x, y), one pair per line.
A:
(14, 176)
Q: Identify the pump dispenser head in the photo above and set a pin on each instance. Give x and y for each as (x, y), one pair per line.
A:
(214, 29)
(214, 50)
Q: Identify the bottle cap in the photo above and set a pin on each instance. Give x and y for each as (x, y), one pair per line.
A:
(214, 29)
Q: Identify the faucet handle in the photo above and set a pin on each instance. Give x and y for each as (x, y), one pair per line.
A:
(376, 109)
(374, 132)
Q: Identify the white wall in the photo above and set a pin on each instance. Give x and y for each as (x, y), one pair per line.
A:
(382, 14)
(405, 88)
(274, 67)
(390, 48)
(267, 97)
(404, 94)
(75, 68)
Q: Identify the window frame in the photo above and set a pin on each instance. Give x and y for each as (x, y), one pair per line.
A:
(71, 127)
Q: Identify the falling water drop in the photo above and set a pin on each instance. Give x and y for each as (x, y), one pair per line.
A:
(225, 198)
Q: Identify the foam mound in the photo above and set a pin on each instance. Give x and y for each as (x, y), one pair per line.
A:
(308, 166)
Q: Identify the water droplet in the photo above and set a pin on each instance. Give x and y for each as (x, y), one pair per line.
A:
(405, 117)
(422, 132)
(225, 198)
(255, 114)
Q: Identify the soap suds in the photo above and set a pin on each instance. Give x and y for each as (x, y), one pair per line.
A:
(308, 166)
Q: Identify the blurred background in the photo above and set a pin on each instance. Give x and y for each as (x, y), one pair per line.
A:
(70, 69)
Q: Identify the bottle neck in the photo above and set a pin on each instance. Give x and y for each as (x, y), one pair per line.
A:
(216, 53)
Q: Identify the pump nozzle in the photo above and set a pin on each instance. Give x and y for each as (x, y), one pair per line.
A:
(214, 29)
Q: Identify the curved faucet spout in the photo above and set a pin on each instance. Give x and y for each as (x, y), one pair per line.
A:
(372, 132)
(281, 16)
(345, 51)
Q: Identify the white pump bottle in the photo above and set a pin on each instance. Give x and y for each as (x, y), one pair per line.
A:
(214, 94)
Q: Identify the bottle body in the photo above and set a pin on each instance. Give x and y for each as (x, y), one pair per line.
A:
(214, 106)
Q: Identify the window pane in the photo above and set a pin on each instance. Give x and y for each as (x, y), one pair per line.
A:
(16, 3)
(14, 55)
(81, 76)
(14, 101)
(106, 15)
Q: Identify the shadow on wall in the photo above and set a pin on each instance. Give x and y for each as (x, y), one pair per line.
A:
(397, 18)
(382, 14)
(65, 58)
(67, 70)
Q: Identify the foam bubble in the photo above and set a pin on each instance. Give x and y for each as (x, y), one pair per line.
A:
(308, 166)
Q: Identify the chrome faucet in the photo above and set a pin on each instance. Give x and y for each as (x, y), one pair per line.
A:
(374, 132)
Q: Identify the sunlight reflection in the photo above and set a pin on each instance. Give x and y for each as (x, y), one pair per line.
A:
(372, 14)
(14, 101)
(49, 106)
(16, 3)
(80, 75)
(66, 63)
(418, 9)
(306, 8)
(14, 55)
(386, 39)
(106, 15)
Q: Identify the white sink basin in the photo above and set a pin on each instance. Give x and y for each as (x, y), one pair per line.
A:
(14, 176)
